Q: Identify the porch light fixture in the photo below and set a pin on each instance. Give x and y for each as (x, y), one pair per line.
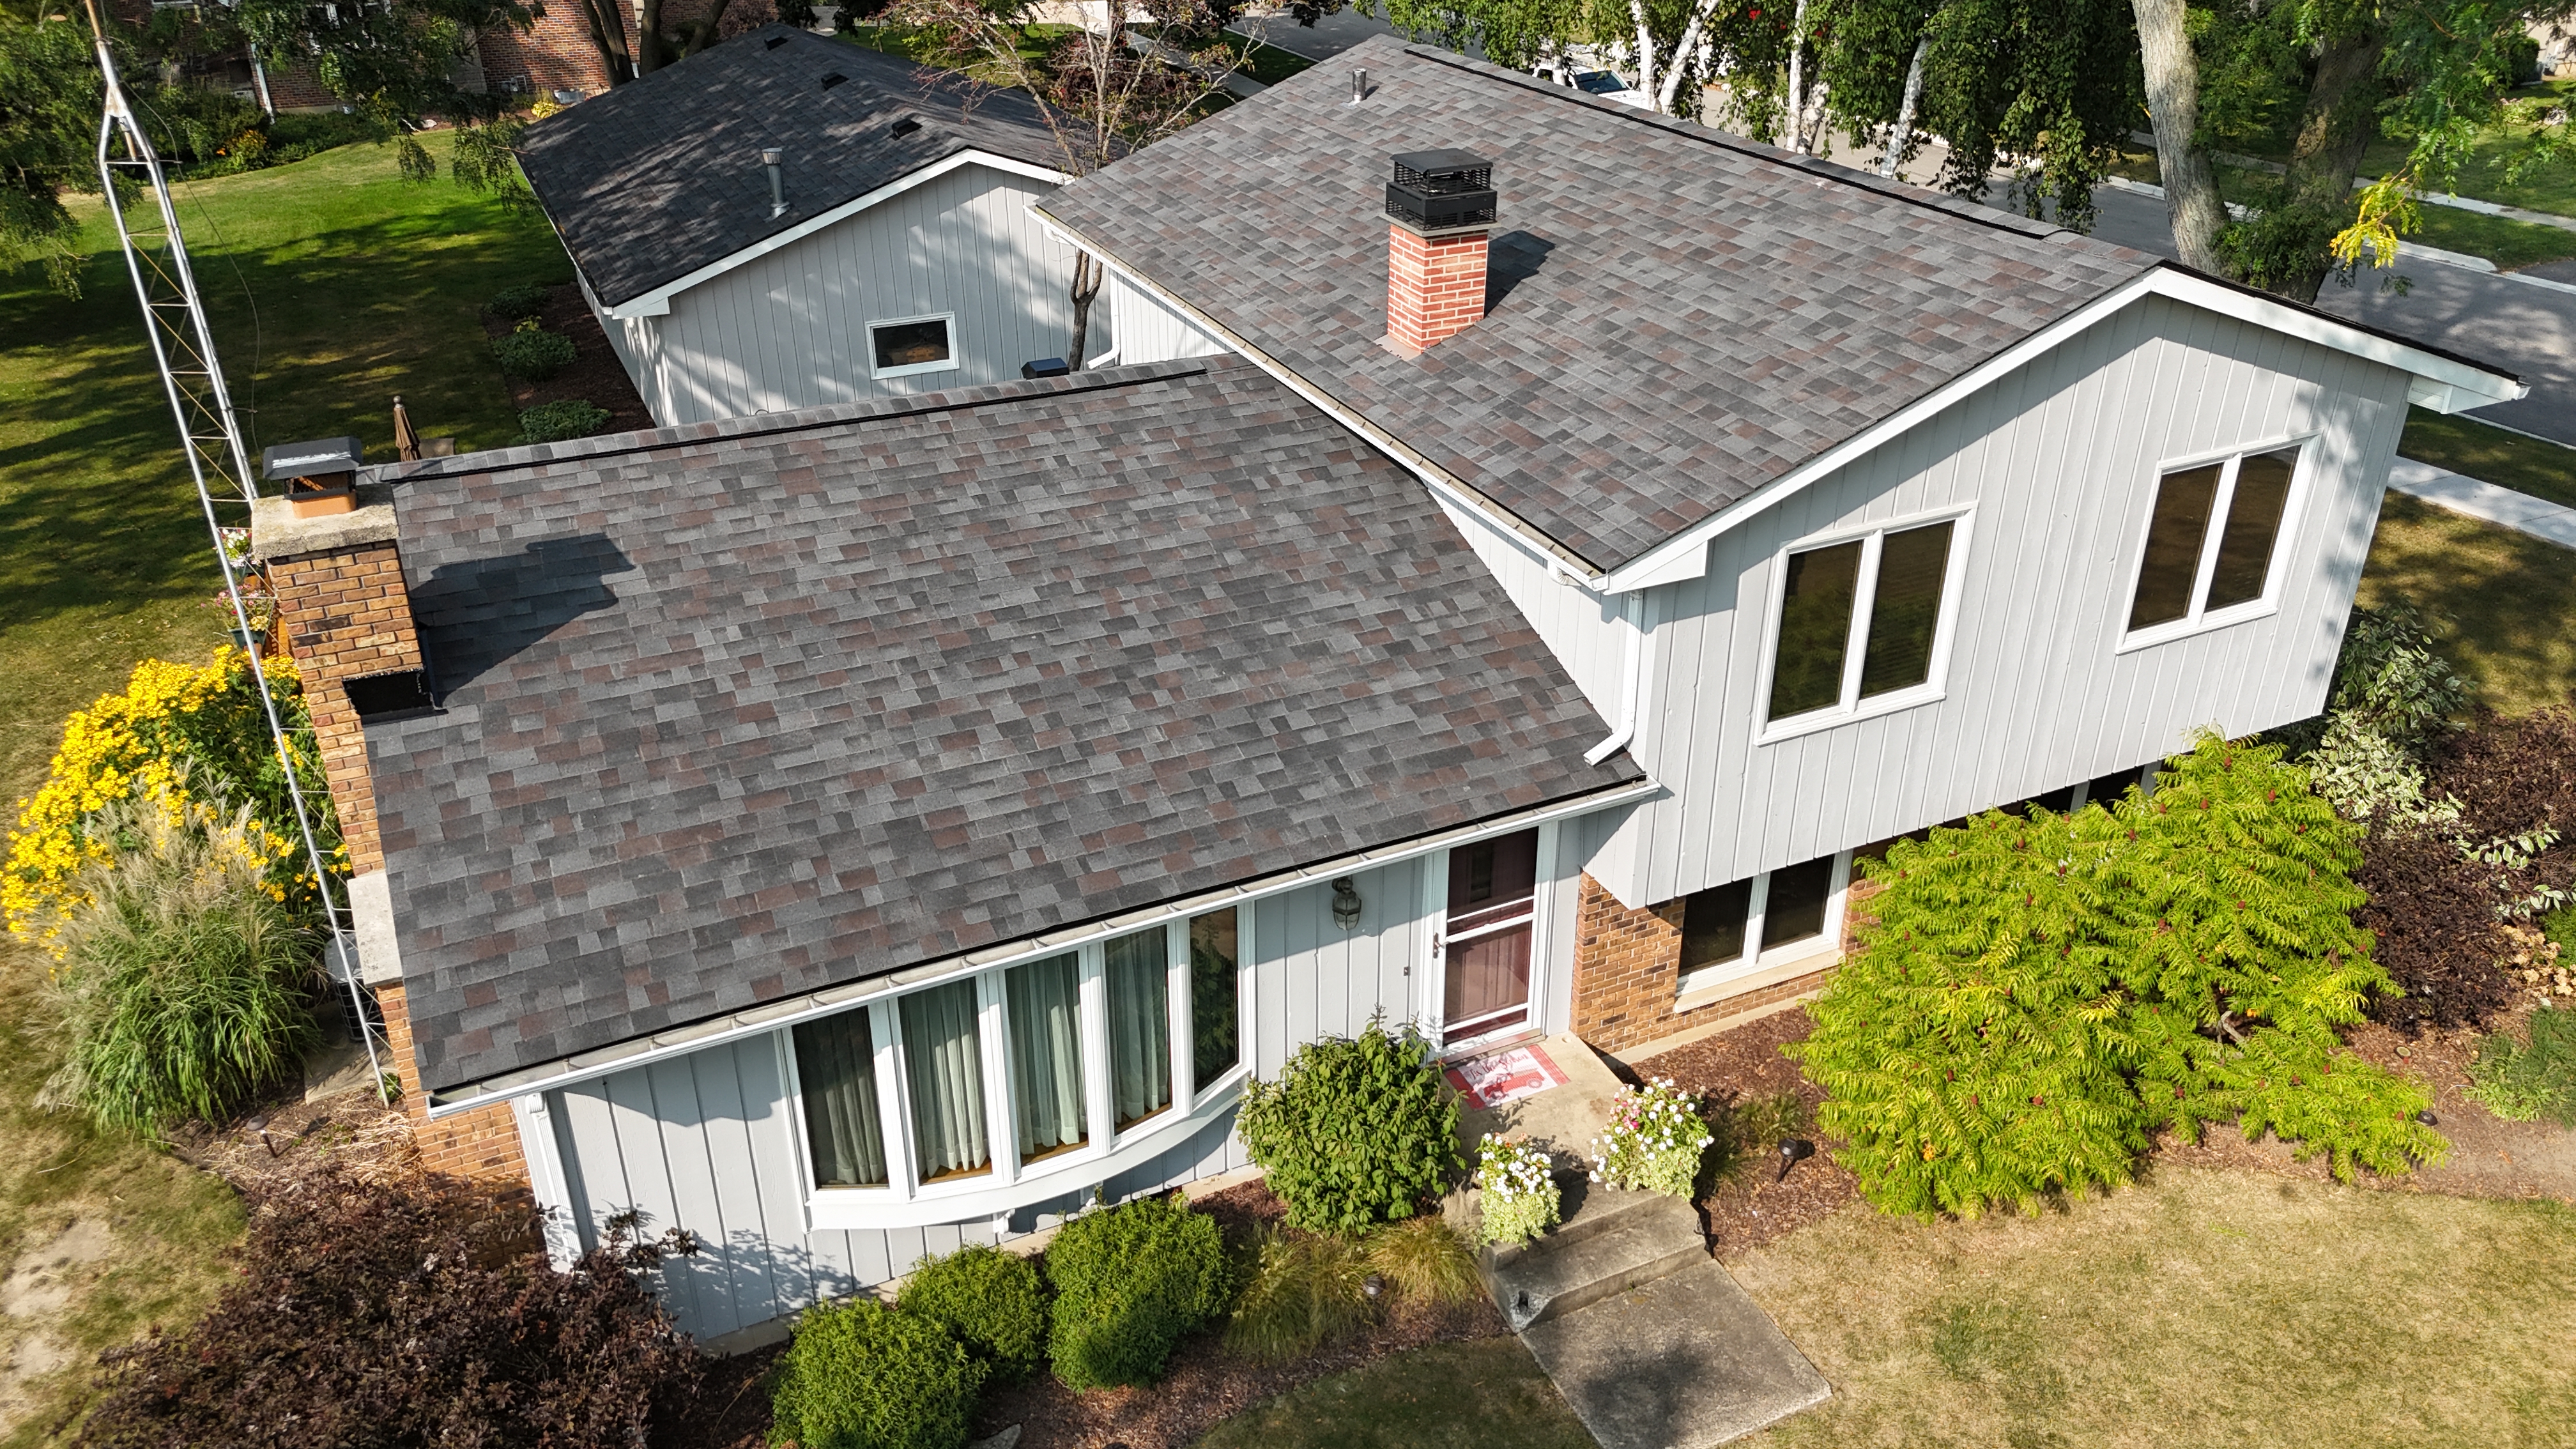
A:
(1346, 904)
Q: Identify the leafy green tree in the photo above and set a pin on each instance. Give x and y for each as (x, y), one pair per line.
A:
(49, 107)
(2037, 996)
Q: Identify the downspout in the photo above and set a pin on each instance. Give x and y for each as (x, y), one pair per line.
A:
(259, 77)
(1632, 613)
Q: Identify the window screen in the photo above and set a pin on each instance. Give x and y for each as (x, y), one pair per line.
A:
(2174, 536)
(2253, 522)
(910, 344)
(1815, 629)
(1795, 909)
(1906, 609)
(1713, 924)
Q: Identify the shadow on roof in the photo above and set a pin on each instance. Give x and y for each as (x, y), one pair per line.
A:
(478, 613)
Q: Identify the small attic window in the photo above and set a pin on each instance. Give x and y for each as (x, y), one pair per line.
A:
(773, 42)
(835, 78)
(907, 126)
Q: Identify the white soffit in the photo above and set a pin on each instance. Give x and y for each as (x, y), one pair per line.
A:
(657, 303)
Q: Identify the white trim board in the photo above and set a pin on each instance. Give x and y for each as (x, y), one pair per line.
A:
(751, 1021)
(657, 302)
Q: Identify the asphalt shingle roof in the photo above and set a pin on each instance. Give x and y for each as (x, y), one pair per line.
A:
(1677, 316)
(744, 710)
(659, 177)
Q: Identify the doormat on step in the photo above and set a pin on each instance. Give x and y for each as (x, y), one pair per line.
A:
(1506, 1076)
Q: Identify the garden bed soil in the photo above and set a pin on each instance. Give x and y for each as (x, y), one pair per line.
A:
(1752, 1209)
(595, 377)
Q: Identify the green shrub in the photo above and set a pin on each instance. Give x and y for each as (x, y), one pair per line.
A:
(295, 135)
(1424, 1257)
(556, 421)
(1303, 1290)
(182, 984)
(991, 1301)
(1129, 1281)
(1356, 1131)
(2520, 1082)
(865, 1376)
(518, 303)
(534, 356)
(1750, 1132)
(2036, 996)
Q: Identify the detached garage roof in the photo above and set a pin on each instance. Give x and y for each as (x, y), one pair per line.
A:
(740, 712)
(661, 177)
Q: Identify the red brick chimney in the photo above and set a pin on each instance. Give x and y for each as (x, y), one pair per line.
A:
(344, 612)
(1440, 210)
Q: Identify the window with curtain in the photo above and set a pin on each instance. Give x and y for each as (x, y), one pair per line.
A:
(1140, 1024)
(944, 1059)
(2211, 536)
(1216, 1005)
(1860, 619)
(1043, 1000)
(836, 1068)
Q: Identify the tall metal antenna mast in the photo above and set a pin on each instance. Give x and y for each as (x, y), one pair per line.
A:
(183, 346)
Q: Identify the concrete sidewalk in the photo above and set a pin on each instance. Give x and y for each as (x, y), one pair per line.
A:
(2538, 517)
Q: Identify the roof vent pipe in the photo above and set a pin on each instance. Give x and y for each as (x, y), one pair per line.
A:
(770, 158)
(1359, 86)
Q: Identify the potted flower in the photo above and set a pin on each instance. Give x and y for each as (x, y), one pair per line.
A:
(1654, 1142)
(1517, 1189)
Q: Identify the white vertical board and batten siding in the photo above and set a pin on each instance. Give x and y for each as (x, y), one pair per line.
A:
(2061, 461)
(1148, 331)
(790, 329)
(1581, 627)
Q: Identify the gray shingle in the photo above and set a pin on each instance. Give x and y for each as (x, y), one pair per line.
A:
(747, 709)
(1678, 316)
(661, 176)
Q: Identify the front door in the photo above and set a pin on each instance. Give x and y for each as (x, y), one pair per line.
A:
(1488, 937)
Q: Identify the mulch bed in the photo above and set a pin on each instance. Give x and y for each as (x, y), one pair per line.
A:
(1754, 1208)
(595, 377)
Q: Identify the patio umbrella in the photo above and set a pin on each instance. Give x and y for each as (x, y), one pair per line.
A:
(406, 442)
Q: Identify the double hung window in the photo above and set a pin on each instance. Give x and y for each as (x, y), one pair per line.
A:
(2211, 539)
(1862, 623)
(993, 1076)
(1748, 926)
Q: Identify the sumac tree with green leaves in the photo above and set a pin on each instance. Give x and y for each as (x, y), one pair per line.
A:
(2036, 996)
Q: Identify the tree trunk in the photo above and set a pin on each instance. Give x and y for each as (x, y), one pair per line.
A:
(1797, 98)
(1903, 131)
(2342, 116)
(2192, 202)
(1087, 277)
(648, 39)
(609, 34)
(1645, 47)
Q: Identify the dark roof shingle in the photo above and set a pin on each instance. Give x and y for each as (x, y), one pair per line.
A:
(659, 177)
(1677, 317)
(744, 710)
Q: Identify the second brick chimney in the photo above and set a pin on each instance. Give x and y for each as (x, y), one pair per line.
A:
(1440, 210)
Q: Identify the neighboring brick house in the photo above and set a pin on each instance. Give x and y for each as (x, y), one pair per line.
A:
(849, 832)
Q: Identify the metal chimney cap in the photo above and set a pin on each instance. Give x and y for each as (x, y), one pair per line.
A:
(307, 459)
(772, 155)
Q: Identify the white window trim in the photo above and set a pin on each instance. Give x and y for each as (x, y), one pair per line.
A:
(1755, 961)
(1851, 708)
(2201, 620)
(950, 363)
(1009, 1183)
(1540, 922)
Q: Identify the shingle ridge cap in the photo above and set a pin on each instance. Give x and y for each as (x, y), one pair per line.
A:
(769, 425)
(1905, 192)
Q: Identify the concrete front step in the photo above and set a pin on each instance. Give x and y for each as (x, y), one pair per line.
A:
(1685, 1361)
(1601, 1253)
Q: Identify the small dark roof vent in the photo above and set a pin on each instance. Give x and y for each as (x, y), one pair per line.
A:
(381, 696)
(1441, 190)
(773, 42)
(835, 78)
(907, 126)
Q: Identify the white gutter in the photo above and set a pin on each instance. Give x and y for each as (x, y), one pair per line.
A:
(772, 1016)
(1632, 677)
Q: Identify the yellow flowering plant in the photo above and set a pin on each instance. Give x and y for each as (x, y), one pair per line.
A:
(177, 733)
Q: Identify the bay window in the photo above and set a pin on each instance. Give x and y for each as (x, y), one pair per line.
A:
(1861, 625)
(993, 1076)
(2211, 536)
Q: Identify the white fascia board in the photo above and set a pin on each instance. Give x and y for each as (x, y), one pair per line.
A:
(1439, 480)
(775, 1015)
(2441, 383)
(657, 303)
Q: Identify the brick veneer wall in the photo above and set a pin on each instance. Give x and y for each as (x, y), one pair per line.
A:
(1435, 286)
(1627, 972)
(559, 53)
(344, 614)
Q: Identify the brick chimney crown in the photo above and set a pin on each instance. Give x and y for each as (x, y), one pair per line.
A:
(1440, 210)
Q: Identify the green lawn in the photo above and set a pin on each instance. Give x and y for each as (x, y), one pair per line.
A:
(1482, 1394)
(333, 285)
(2548, 188)
(2524, 464)
(2503, 604)
(1267, 64)
(2509, 244)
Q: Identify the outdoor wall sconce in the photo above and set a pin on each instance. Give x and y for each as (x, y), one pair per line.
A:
(1346, 905)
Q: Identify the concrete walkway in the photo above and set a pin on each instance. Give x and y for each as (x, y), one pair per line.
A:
(1653, 1344)
(2459, 493)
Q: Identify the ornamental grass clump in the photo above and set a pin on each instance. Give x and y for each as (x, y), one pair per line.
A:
(1357, 1131)
(2036, 996)
(1516, 1188)
(2524, 1081)
(1654, 1142)
(1423, 1257)
(1300, 1292)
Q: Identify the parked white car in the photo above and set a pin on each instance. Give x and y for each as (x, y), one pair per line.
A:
(1607, 84)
